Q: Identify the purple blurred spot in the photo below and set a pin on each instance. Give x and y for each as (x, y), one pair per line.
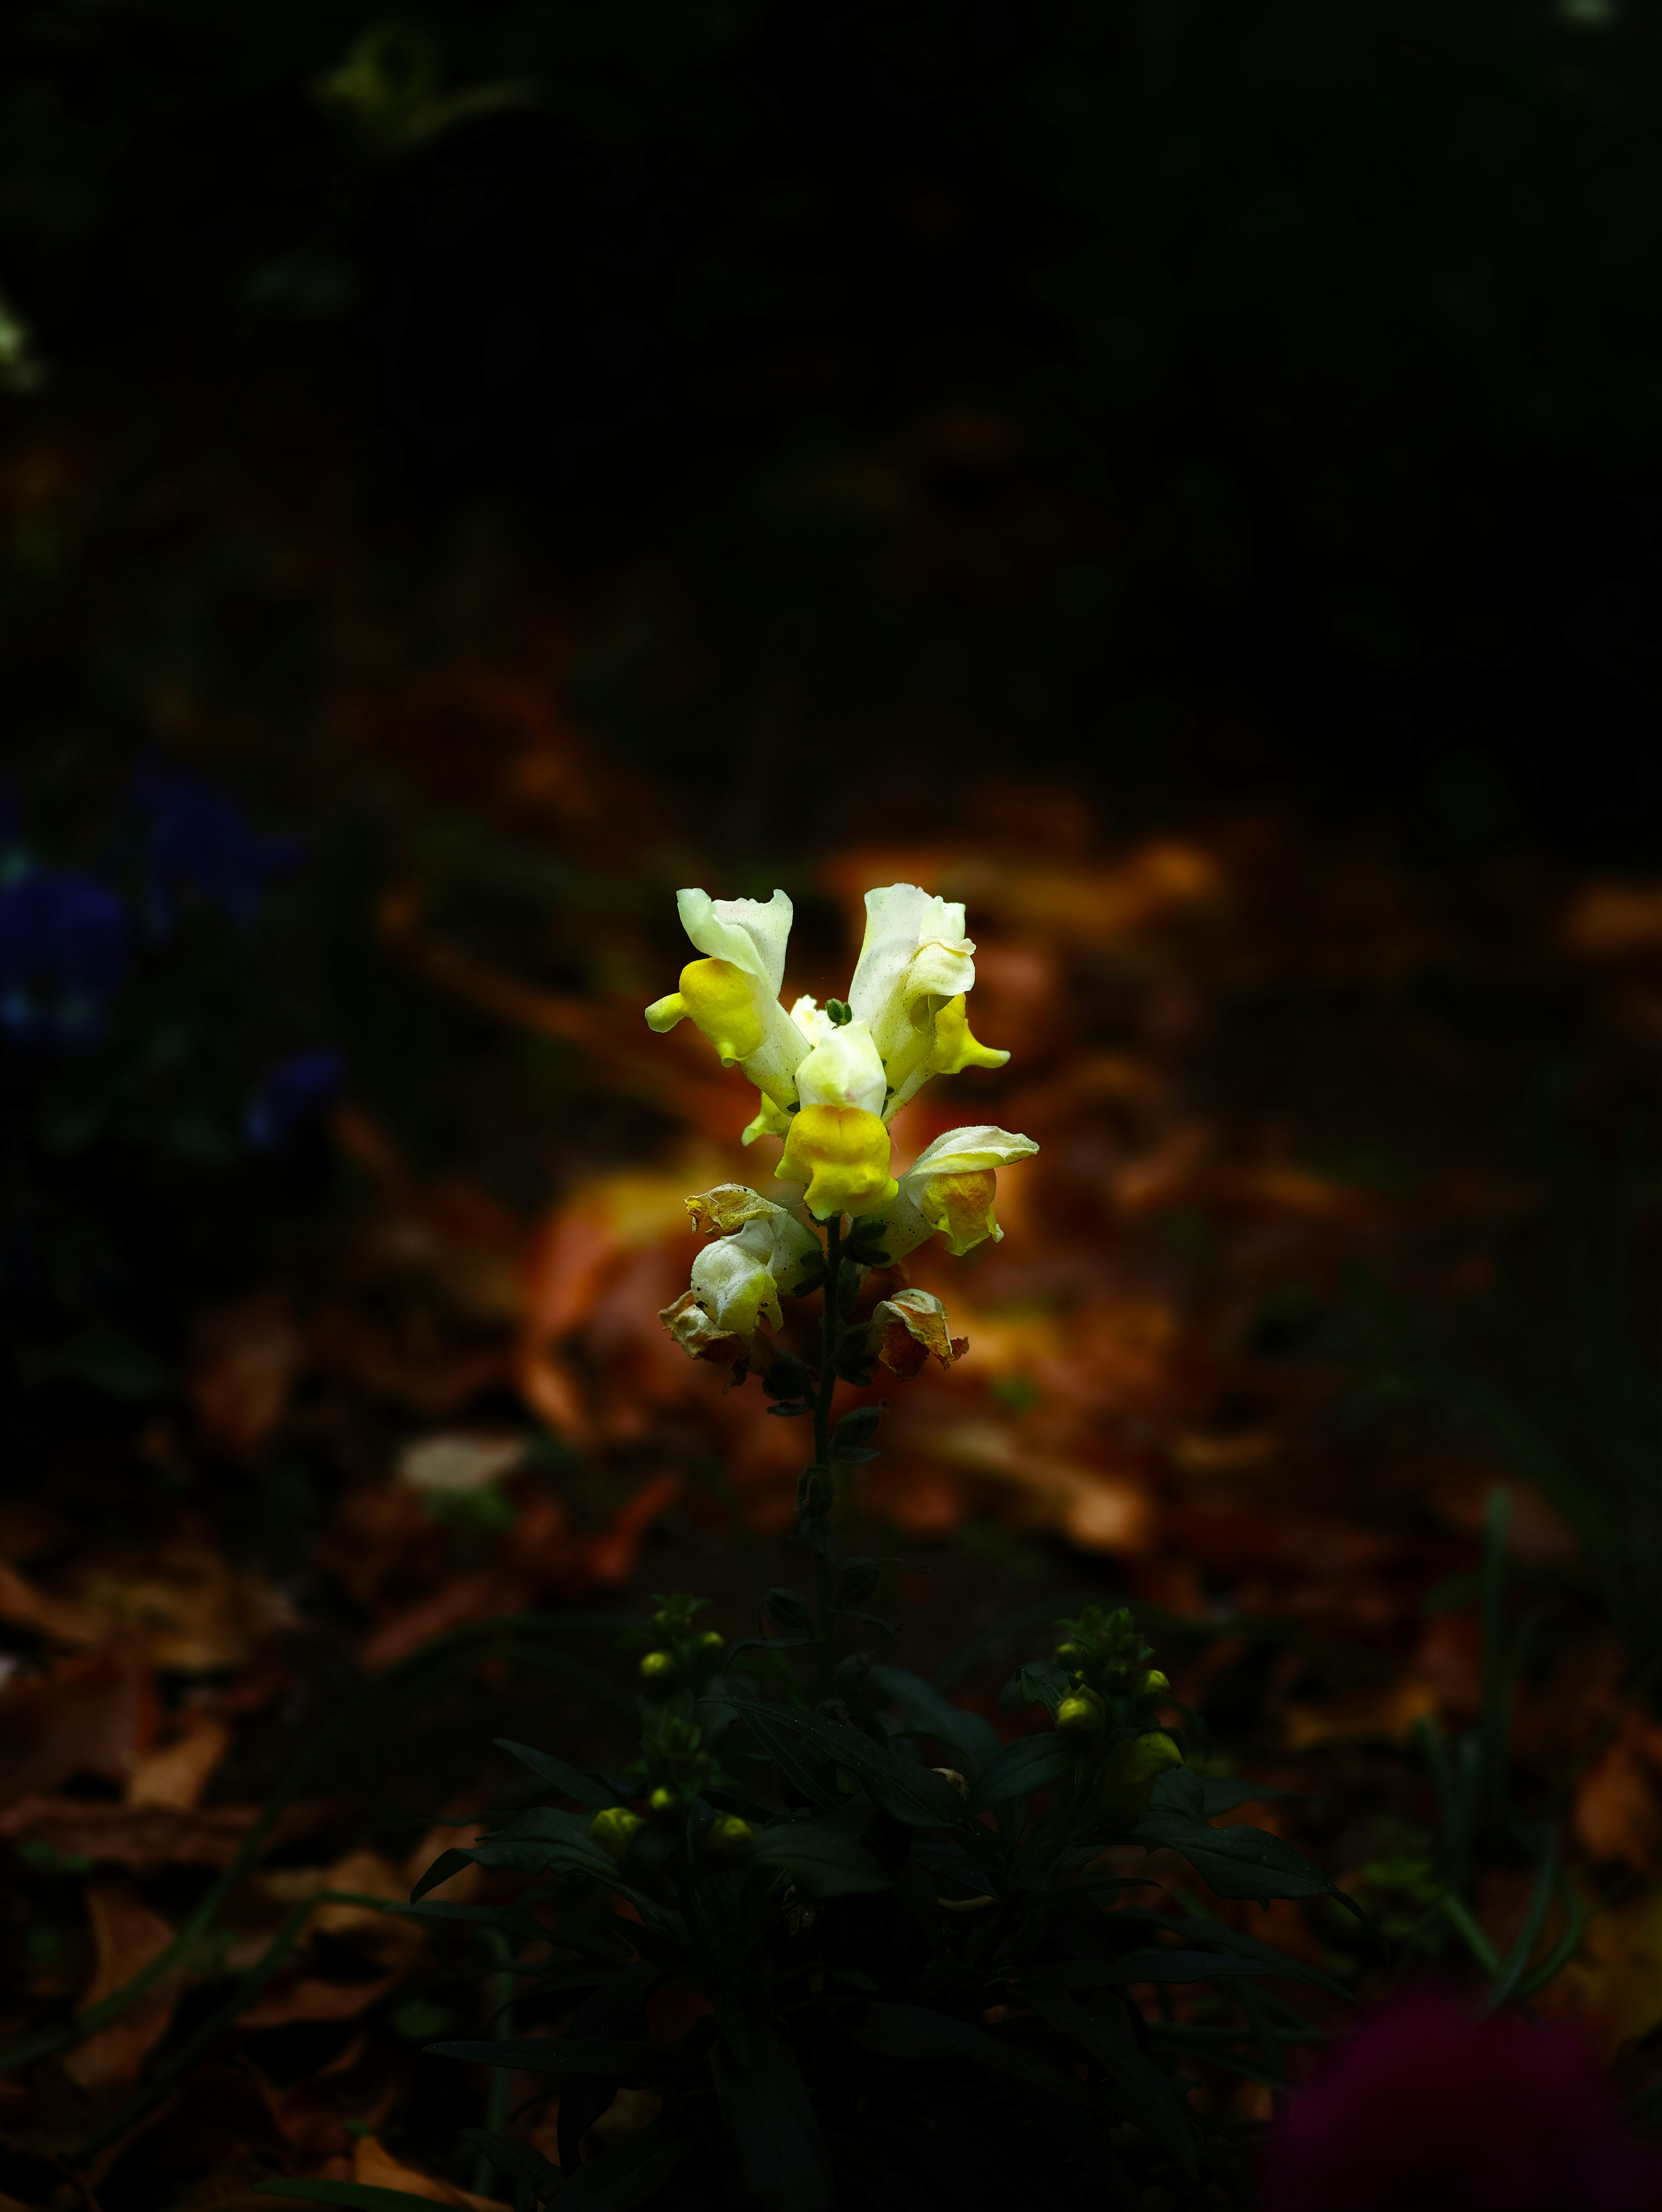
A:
(1426, 2108)
(201, 845)
(65, 947)
(289, 1092)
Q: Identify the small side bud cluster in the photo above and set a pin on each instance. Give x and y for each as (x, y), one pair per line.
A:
(686, 1655)
(1109, 1711)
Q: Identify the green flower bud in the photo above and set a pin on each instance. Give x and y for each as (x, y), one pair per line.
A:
(1154, 1684)
(712, 1640)
(1080, 1715)
(614, 1828)
(662, 1800)
(1148, 1758)
(1069, 1654)
(728, 1834)
(658, 1669)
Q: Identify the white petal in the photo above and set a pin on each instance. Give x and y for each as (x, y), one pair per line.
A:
(899, 919)
(844, 1070)
(959, 1150)
(811, 1018)
(735, 1287)
(750, 934)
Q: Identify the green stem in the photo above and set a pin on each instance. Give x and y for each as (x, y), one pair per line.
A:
(501, 2026)
(832, 1323)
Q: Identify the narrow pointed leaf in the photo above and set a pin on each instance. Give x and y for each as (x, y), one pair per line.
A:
(910, 1792)
(1032, 1762)
(543, 1763)
(975, 1740)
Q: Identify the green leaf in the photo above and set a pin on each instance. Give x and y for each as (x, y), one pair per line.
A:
(821, 1860)
(561, 1838)
(901, 1787)
(1151, 2099)
(610, 2058)
(1203, 1796)
(512, 1919)
(812, 1776)
(1037, 1685)
(446, 1864)
(509, 2154)
(975, 1740)
(914, 2031)
(772, 2127)
(851, 1439)
(583, 1787)
(630, 2174)
(1248, 1862)
(788, 1609)
(1032, 1762)
(857, 1579)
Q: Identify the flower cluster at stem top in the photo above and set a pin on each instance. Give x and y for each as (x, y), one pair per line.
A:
(830, 1080)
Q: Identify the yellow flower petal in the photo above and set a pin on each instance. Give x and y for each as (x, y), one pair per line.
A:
(955, 1048)
(727, 1207)
(842, 1153)
(960, 1207)
(722, 1000)
(771, 1121)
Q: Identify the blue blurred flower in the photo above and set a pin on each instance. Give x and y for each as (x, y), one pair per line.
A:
(65, 947)
(288, 1093)
(202, 845)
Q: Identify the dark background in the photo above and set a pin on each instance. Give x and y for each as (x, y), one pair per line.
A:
(1199, 400)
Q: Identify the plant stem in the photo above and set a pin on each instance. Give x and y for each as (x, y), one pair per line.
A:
(832, 1323)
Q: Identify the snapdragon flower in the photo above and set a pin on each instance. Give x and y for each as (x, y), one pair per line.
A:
(760, 1250)
(831, 1078)
(732, 994)
(949, 1190)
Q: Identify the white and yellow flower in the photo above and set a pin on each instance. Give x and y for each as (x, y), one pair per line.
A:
(832, 1077)
(915, 971)
(837, 1143)
(950, 1189)
(759, 1250)
(731, 994)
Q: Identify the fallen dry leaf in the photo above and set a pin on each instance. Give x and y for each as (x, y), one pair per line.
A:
(244, 1363)
(176, 1774)
(1385, 1716)
(126, 1936)
(92, 1715)
(1615, 1985)
(59, 1619)
(1617, 1813)
(374, 2166)
(192, 1612)
(147, 1838)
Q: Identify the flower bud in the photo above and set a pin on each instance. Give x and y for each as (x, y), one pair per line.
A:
(1154, 1684)
(1070, 1655)
(662, 1800)
(658, 1669)
(728, 1834)
(1147, 1758)
(614, 1828)
(713, 1640)
(1081, 1714)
